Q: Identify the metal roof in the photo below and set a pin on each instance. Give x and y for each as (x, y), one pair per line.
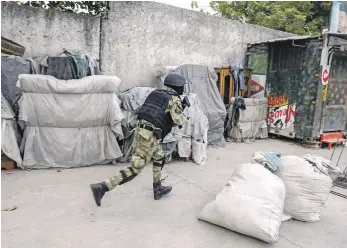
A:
(306, 37)
(342, 36)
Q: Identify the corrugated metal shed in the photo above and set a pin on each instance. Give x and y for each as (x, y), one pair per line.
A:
(306, 37)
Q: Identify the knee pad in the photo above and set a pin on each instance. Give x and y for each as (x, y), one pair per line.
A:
(127, 178)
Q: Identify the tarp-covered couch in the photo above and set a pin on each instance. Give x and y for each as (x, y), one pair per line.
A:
(69, 123)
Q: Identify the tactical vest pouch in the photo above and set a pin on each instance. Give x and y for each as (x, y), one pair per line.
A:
(158, 134)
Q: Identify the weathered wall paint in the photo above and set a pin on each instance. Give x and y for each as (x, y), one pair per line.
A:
(335, 114)
(138, 36)
(258, 59)
(284, 84)
(310, 115)
(299, 86)
(44, 32)
(295, 97)
(281, 116)
(309, 90)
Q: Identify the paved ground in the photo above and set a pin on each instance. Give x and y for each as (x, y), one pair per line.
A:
(55, 209)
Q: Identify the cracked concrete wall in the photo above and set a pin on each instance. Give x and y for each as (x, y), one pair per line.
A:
(138, 36)
(47, 32)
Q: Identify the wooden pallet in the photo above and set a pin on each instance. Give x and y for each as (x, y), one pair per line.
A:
(11, 48)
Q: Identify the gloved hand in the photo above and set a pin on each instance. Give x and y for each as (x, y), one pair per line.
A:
(185, 103)
(133, 124)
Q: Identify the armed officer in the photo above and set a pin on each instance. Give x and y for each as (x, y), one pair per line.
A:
(161, 111)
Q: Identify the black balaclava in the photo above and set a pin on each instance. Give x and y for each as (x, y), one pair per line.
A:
(179, 89)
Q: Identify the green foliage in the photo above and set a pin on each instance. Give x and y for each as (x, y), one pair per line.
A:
(194, 5)
(87, 7)
(303, 18)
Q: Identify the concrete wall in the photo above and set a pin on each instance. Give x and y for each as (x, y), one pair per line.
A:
(138, 36)
(44, 32)
(135, 37)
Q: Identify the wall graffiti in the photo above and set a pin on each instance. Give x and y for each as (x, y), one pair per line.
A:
(281, 114)
(281, 117)
(277, 101)
(258, 86)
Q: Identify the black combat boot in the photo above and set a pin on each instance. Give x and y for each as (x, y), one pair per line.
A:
(160, 190)
(99, 190)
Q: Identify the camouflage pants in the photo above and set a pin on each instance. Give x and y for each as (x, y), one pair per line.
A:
(146, 149)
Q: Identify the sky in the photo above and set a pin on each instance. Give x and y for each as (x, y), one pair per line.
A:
(186, 4)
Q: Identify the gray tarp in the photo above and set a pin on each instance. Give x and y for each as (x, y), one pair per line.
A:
(11, 67)
(252, 122)
(132, 100)
(201, 80)
(61, 68)
(161, 72)
(10, 137)
(69, 123)
(69, 65)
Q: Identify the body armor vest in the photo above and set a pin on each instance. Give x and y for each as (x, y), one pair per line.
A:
(153, 110)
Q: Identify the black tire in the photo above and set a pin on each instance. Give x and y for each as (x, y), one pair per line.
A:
(11, 48)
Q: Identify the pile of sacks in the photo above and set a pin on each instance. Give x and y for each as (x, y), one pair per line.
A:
(248, 124)
(260, 195)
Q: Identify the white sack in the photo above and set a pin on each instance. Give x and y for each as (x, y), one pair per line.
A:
(307, 188)
(69, 123)
(199, 148)
(252, 122)
(192, 137)
(251, 203)
(196, 128)
(161, 73)
(134, 98)
(10, 137)
(184, 147)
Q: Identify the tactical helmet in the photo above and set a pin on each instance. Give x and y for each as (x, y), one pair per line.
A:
(175, 80)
